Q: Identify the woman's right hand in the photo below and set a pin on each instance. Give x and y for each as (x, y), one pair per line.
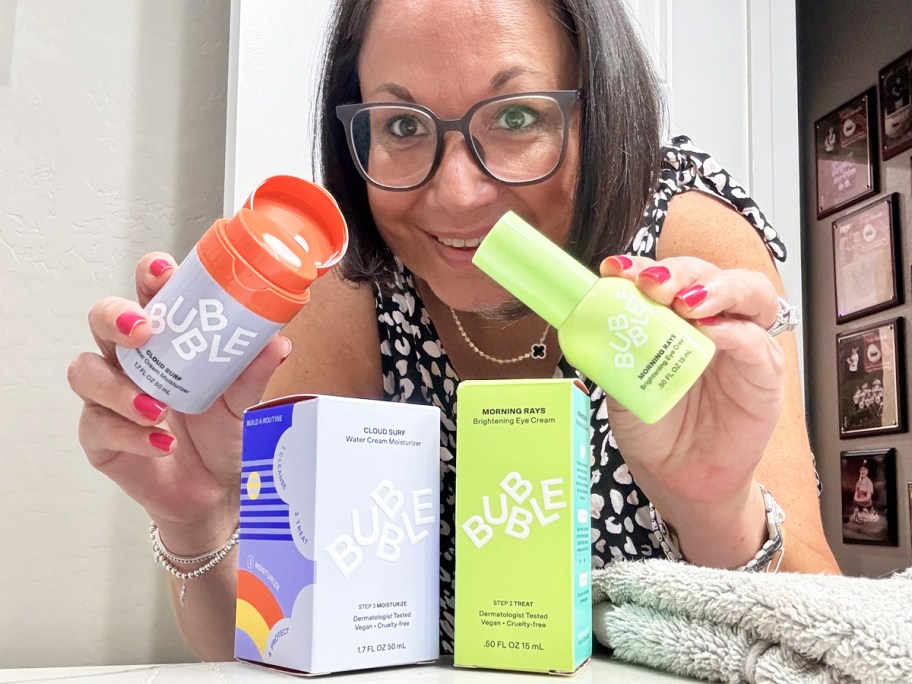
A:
(183, 469)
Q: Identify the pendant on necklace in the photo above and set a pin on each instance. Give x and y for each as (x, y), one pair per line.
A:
(539, 351)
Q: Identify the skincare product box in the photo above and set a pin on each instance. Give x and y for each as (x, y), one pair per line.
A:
(339, 557)
(523, 562)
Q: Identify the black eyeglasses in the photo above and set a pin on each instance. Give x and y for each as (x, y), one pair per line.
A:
(517, 139)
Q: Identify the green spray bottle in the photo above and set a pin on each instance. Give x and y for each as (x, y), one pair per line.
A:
(641, 353)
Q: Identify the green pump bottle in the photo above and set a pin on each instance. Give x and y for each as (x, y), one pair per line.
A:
(641, 353)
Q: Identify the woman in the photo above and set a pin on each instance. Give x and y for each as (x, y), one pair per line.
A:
(409, 290)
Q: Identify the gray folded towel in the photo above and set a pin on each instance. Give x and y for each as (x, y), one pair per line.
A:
(760, 628)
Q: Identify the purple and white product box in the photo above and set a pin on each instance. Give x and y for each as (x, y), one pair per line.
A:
(339, 558)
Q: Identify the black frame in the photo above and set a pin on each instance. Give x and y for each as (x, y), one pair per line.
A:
(884, 261)
(891, 145)
(860, 105)
(884, 501)
(851, 380)
(346, 113)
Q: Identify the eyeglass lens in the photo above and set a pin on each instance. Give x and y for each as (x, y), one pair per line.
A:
(516, 139)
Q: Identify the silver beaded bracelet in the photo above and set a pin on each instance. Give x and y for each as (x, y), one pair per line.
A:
(169, 561)
(771, 550)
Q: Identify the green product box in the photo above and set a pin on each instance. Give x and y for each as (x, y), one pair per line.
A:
(523, 563)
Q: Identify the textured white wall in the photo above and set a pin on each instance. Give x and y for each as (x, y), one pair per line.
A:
(112, 122)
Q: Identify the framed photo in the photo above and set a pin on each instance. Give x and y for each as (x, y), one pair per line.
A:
(896, 106)
(845, 155)
(869, 497)
(866, 259)
(871, 380)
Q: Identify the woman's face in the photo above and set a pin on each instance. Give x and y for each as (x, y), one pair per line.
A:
(448, 56)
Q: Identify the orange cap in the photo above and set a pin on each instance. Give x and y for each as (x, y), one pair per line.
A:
(307, 212)
(267, 256)
(255, 262)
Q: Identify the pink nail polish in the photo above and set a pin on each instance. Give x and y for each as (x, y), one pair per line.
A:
(126, 323)
(161, 441)
(159, 266)
(709, 320)
(659, 274)
(620, 261)
(692, 295)
(148, 407)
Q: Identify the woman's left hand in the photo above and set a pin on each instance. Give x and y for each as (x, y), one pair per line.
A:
(705, 450)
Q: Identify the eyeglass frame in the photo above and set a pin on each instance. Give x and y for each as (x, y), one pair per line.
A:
(347, 112)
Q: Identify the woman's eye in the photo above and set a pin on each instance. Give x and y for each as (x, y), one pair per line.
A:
(405, 127)
(516, 118)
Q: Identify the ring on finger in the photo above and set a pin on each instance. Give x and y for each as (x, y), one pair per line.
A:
(787, 318)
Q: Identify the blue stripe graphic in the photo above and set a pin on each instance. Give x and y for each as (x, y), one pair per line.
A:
(256, 464)
(268, 537)
(262, 502)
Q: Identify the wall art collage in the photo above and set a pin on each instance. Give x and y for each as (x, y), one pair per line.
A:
(850, 144)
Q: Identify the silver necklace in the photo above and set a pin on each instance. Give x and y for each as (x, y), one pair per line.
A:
(538, 350)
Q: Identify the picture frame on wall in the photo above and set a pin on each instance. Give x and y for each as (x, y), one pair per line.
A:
(868, 480)
(871, 380)
(845, 156)
(895, 89)
(866, 269)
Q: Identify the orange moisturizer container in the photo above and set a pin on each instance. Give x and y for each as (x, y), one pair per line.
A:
(245, 279)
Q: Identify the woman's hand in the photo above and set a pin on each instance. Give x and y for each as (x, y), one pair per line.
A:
(183, 469)
(705, 450)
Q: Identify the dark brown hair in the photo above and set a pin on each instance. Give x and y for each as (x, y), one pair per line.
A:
(619, 132)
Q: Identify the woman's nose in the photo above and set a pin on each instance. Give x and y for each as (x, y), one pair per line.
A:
(459, 180)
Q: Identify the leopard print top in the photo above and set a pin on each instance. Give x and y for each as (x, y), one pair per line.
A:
(416, 369)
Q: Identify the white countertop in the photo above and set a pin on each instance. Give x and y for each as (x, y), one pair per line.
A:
(597, 671)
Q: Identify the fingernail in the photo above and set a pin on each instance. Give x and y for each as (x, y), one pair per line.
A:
(128, 321)
(161, 441)
(692, 295)
(709, 320)
(659, 274)
(287, 352)
(621, 262)
(148, 407)
(159, 266)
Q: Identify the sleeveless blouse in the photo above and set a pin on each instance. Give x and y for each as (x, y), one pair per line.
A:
(416, 369)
